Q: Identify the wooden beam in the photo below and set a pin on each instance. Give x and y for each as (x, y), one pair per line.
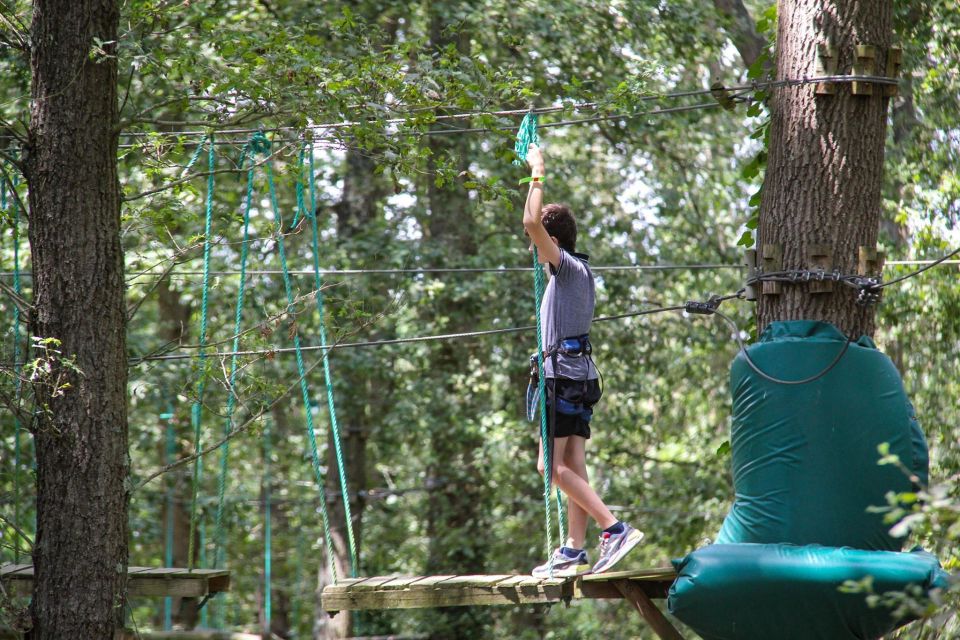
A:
(657, 621)
(141, 581)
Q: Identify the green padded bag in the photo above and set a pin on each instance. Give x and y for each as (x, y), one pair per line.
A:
(805, 457)
(786, 592)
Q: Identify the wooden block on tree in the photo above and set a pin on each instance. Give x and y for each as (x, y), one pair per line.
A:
(772, 260)
(821, 258)
(865, 64)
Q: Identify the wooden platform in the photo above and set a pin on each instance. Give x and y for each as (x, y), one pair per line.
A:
(411, 592)
(638, 588)
(143, 581)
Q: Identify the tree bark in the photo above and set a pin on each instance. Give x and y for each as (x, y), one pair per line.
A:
(80, 556)
(825, 168)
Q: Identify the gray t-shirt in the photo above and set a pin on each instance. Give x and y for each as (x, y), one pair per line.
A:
(567, 311)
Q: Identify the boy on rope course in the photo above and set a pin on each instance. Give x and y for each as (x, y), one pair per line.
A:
(572, 382)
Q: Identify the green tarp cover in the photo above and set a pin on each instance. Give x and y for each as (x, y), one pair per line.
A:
(786, 592)
(805, 472)
(804, 457)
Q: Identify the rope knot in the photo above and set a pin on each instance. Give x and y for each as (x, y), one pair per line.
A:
(259, 143)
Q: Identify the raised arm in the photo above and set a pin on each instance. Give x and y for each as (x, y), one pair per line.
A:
(532, 224)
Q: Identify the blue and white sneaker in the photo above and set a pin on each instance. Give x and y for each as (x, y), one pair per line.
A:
(563, 566)
(614, 546)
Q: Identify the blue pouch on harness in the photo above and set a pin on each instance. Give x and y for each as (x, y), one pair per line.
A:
(574, 409)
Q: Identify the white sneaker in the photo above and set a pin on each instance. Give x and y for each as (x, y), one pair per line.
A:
(614, 546)
(563, 566)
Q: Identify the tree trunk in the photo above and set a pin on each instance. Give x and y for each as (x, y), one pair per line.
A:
(81, 429)
(457, 525)
(825, 168)
(174, 326)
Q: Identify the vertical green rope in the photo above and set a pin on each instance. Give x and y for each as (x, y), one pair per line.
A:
(196, 412)
(260, 145)
(220, 535)
(267, 533)
(538, 288)
(168, 538)
(328, 380)
(526, 135)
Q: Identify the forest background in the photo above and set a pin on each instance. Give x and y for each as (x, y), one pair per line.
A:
(440, 458)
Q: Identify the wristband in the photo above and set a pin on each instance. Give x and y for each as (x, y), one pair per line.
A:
(532, 179)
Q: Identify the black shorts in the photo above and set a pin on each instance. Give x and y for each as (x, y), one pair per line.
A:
(586, 392)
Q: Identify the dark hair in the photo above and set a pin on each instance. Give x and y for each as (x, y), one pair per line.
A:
(558, 221)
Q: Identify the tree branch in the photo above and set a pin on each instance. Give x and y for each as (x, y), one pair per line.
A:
(204, 174)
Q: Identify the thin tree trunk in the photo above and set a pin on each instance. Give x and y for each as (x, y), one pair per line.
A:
(81, 429)
(825, 169)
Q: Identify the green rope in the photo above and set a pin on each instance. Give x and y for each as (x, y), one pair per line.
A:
(267, 533)
(260, 145)
(168, 540)
(328, 379)
(196, 412)
(219, 557)
(538, 287)
(526, 135)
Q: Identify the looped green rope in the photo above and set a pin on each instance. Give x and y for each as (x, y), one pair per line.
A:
(301, 369)
(328, 379)
(526, 136)
(196, 412)
(220, 533)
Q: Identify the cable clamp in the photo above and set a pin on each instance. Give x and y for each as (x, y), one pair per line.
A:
(868, 291)
(703, 308)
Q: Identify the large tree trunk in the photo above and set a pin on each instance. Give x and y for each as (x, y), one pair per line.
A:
(81, 429)
(825, 168)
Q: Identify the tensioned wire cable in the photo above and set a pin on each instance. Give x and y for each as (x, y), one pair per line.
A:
(474, 270)
(737, 88)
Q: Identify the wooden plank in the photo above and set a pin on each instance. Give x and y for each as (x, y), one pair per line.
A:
(656, 573)
(143, 581)
(16, 570)
(474, 581)
(444, 597)
(431, 580)
(512, 581)
(598, 590)
(634, 595)
(371, 583)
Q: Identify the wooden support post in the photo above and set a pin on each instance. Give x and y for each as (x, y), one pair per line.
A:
(870, 261)
(894, 58)
(642, 603)
(826, 66)
(821, 257)
(865, 64)
(750, 262)
(772, 258)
